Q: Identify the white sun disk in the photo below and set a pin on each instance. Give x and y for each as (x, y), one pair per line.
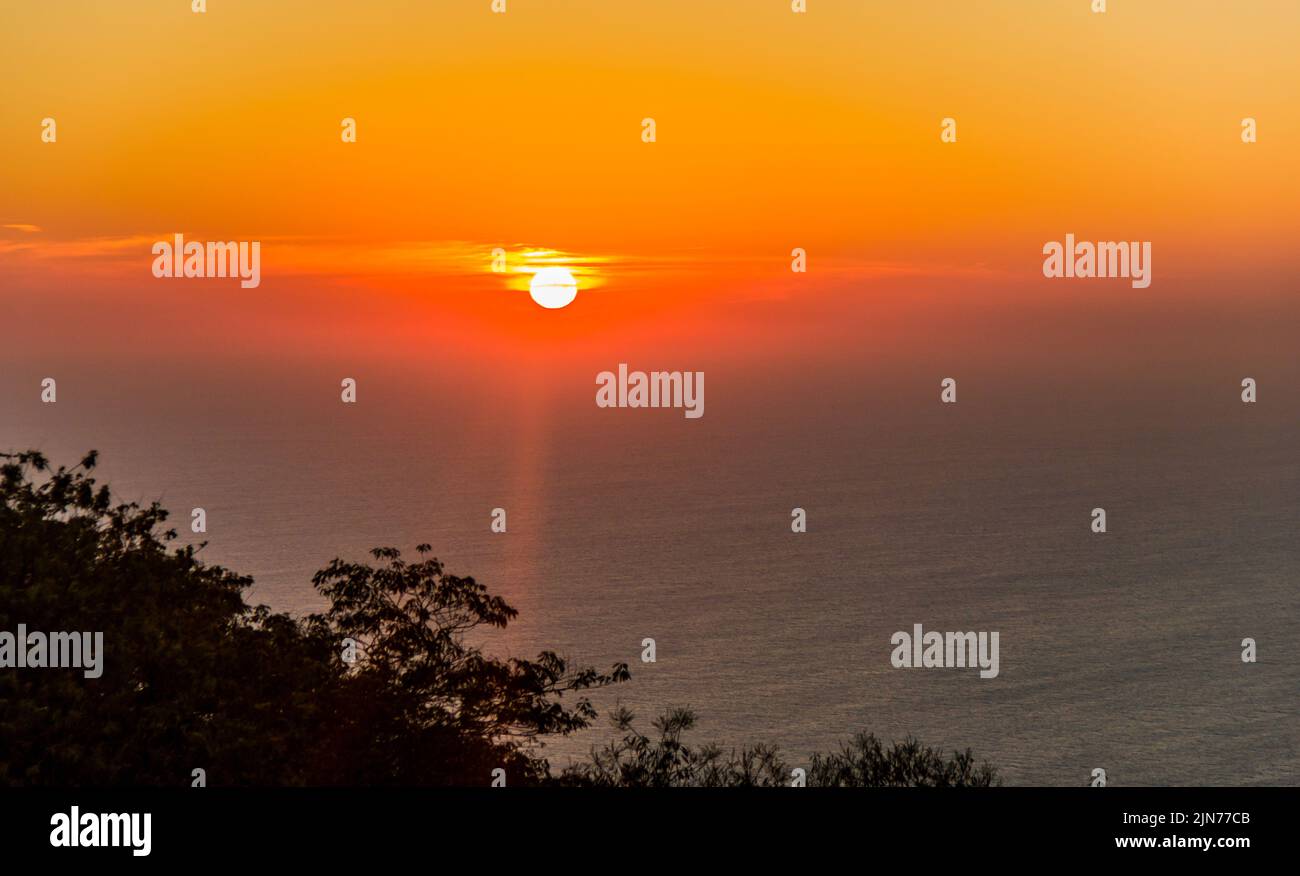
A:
(553, 287)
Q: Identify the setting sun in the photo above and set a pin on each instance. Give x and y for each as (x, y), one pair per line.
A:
(553, 287)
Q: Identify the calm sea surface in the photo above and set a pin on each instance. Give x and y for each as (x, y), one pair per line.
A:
(1119, 650)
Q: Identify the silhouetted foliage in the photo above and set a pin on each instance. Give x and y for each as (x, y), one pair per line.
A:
(194, 677)
(447, 710)
(637, 760)
(864, 762)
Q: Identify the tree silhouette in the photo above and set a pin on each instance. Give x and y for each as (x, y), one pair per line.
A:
(637, 760)
(382, 688)
(192, 676)
(434, 694)
(195, 678)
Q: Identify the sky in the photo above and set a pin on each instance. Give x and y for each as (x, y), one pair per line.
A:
(523, 130)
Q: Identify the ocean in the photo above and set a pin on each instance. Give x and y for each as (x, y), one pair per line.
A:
(1119, 650)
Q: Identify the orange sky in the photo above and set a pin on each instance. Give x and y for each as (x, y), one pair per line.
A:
(522, 130)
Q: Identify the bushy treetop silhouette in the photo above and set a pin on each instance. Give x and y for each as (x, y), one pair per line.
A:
(382, 688)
